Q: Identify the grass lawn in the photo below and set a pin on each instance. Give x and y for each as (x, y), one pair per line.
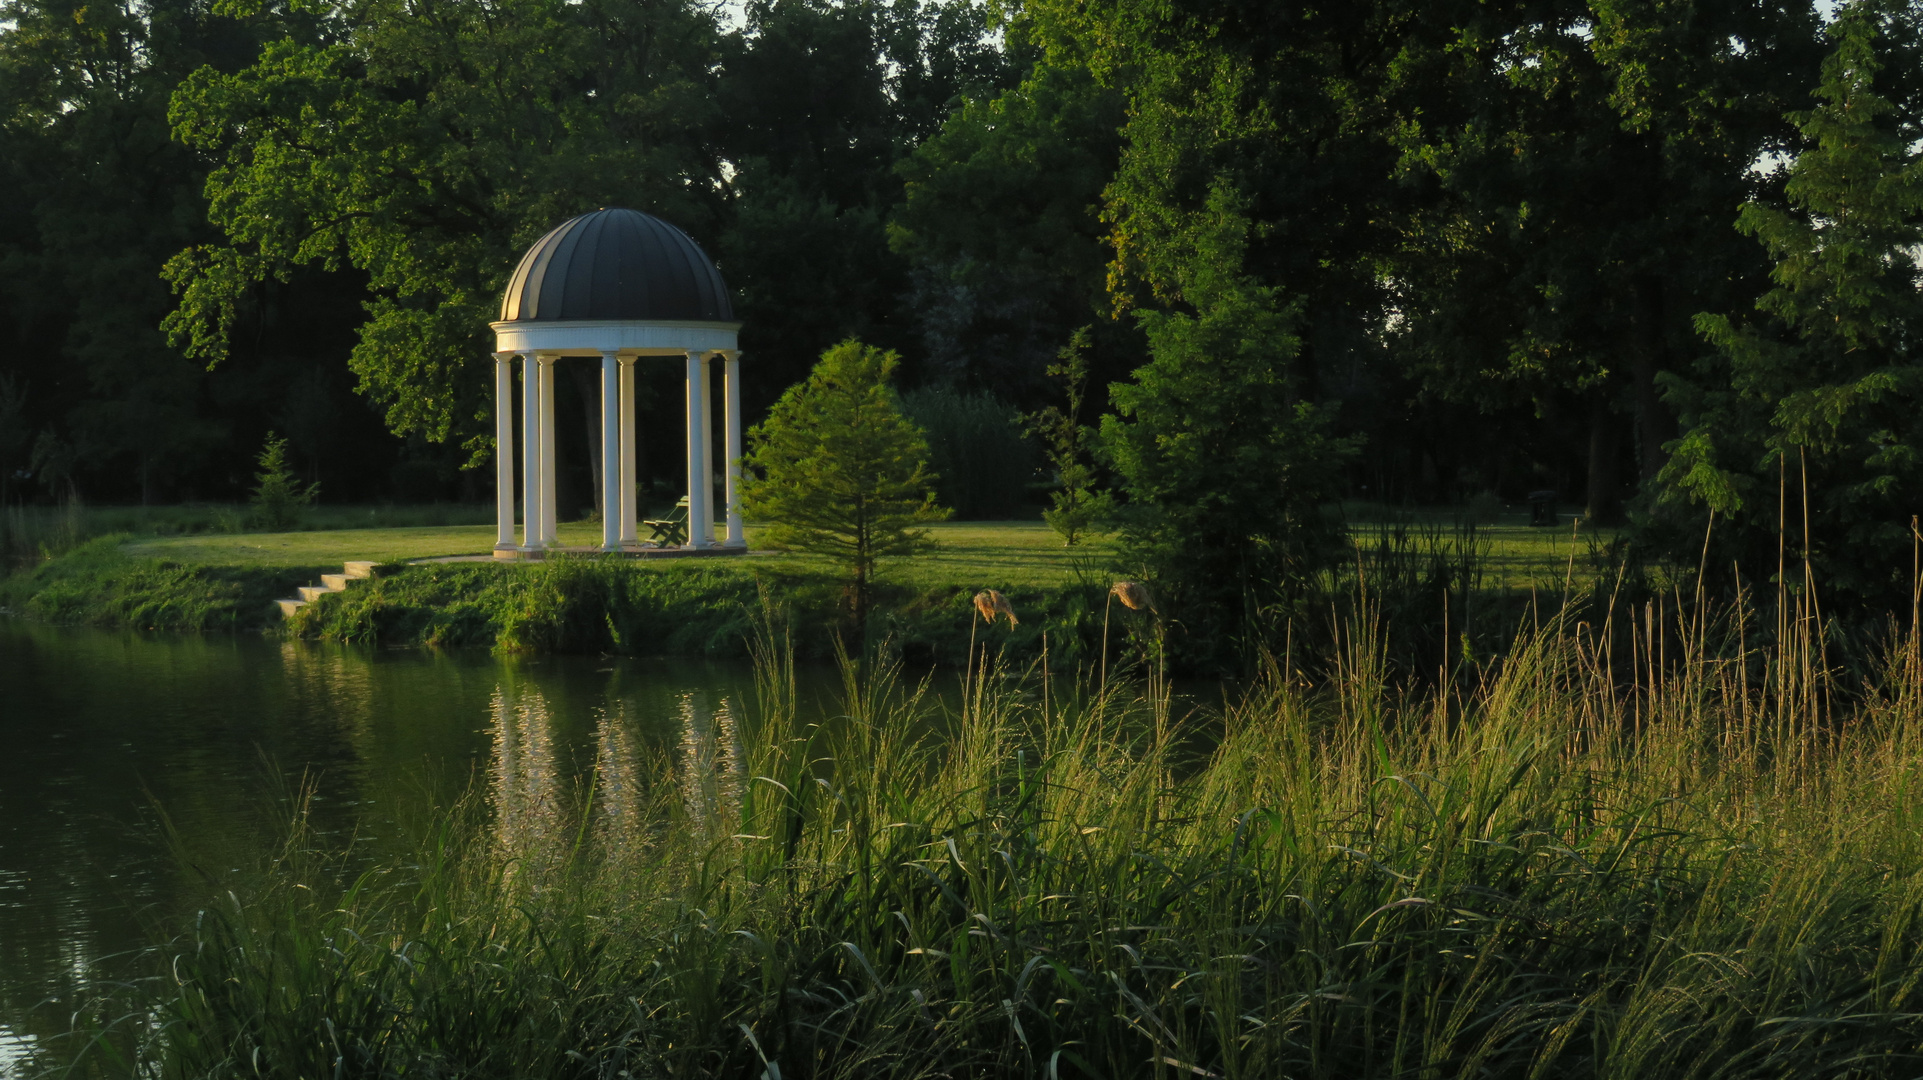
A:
(331, 546)
(997, 553)
(1514, 555)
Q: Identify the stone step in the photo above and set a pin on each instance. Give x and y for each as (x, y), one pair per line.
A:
(330, 583)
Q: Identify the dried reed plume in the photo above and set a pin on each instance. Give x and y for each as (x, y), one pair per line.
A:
(1133, 595)
(990, 603)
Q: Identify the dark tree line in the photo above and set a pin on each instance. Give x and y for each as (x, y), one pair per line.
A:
(1410, 251)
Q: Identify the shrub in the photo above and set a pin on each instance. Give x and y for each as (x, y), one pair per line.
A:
(982, 463)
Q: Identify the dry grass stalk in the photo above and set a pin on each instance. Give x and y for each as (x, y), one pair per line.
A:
(990, 604)
(1133, 595)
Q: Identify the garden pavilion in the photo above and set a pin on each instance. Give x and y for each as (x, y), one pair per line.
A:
(619, 285)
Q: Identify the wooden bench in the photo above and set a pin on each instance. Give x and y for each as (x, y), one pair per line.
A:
(671, 531)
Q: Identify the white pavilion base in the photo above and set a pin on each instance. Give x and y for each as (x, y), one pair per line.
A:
(638, 551)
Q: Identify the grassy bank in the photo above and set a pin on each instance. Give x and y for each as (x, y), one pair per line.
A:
(578, 604)
(104, 583)
(1701, 873)
(589, 604)
(685, 607)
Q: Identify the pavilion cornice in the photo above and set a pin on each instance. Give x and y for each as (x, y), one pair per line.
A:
(636, 337)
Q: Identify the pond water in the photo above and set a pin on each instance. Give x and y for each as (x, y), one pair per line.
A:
(103, 736)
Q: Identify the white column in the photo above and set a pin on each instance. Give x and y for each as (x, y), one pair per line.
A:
(530, 452)
(610, 451)
(549, 537)
(504, 455)
(707, 446)
(731, 391)
(630, 532)
(699, 525)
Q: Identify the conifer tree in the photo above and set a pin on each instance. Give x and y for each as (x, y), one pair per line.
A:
(837, 470)
(279, 497)
(1804, 430)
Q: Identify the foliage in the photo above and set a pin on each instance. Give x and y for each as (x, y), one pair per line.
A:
(1579, 878)
(978, 456)
(1809, 420)
(837, 470)
(425, 154)
(1496, 219)
(998, 220)
(1584, 160)
(280, 501)
(371, 174)
(1224, 467)
(34, 534)
(819, 100)
(1077, 507)
(97, 197)
(13, 434)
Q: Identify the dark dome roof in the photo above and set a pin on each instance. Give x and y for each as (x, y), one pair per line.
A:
(616, 264)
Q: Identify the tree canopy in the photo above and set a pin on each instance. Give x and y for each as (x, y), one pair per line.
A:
(425, 153)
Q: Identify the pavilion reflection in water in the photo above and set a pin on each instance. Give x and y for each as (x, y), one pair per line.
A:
(537, 790)
(524, 784)
(710, 765)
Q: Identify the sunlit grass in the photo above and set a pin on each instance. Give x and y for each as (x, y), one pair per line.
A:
(1001, 554)
(324, 548)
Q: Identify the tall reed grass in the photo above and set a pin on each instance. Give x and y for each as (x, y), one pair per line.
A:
(1710, 868)
(30, 533)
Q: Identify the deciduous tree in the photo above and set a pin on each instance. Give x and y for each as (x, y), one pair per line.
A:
(426, 148)
(1581, 159)
(1225, 466)
(1077, 506)
(1000, 221)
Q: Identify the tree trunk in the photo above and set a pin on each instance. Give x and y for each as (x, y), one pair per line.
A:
(1647, 357)
(1306, 381)
(590, 387)
(1605, 482)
